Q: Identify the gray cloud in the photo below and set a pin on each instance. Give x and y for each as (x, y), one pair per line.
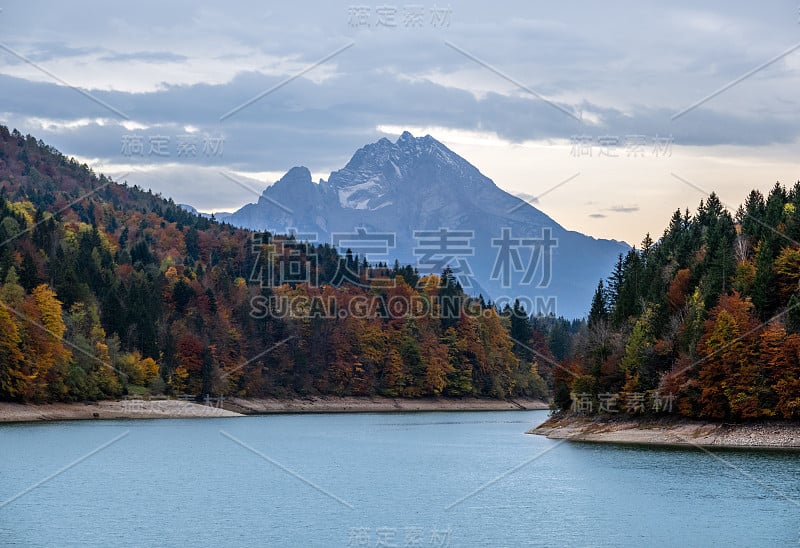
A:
(629, 68)
(623, 209)
(149, 56)
(323, 123)
(46, 51)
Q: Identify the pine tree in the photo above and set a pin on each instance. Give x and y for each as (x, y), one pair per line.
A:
(615, 281)
(762, 292)
(599, 311)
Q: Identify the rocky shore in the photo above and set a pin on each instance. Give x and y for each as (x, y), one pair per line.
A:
(237, 407)
(377, 405)
(672, 431)
(123, 409)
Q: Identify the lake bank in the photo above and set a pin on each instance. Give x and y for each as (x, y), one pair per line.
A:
(330, 404)
(237, 407)
(122, 409)
(672, 431)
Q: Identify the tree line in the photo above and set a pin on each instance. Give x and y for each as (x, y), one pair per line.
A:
(708, 314)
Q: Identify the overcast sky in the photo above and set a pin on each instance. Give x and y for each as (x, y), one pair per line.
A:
(639, 107)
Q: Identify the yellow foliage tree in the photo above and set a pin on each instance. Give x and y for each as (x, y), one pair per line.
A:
(46, 356)
(13, 380)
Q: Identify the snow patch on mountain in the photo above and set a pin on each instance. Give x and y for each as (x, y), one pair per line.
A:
(358, 196)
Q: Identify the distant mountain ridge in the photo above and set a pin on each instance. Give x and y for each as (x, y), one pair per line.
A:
(218, 215)
(424, 195)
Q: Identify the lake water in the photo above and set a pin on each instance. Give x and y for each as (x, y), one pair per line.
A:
(418, 479)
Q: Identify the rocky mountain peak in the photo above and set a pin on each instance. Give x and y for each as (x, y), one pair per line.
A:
(418, 184)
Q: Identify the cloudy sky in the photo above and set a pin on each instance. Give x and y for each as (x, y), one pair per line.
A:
(608, 117)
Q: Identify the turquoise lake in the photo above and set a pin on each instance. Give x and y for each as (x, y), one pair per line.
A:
(415, 479)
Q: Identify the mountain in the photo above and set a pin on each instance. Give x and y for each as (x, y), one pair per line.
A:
(218, 215)
(418, 184)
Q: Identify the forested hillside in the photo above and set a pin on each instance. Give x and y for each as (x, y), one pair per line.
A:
(110, 290)
(706, 319)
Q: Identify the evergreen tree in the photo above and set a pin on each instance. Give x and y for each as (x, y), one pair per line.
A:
(599, 310)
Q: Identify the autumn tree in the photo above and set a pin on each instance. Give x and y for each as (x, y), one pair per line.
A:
(45, 355)
(727, 347)
(15, 384)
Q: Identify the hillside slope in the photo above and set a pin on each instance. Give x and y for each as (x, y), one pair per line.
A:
(108, 290)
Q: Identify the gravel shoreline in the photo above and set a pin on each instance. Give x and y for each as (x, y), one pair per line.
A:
(378, 405)
(124, 409)
(237, 407)
(672, 431)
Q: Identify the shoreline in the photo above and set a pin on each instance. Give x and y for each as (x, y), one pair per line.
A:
(351, 404)
(239, 407)
(672, 431)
